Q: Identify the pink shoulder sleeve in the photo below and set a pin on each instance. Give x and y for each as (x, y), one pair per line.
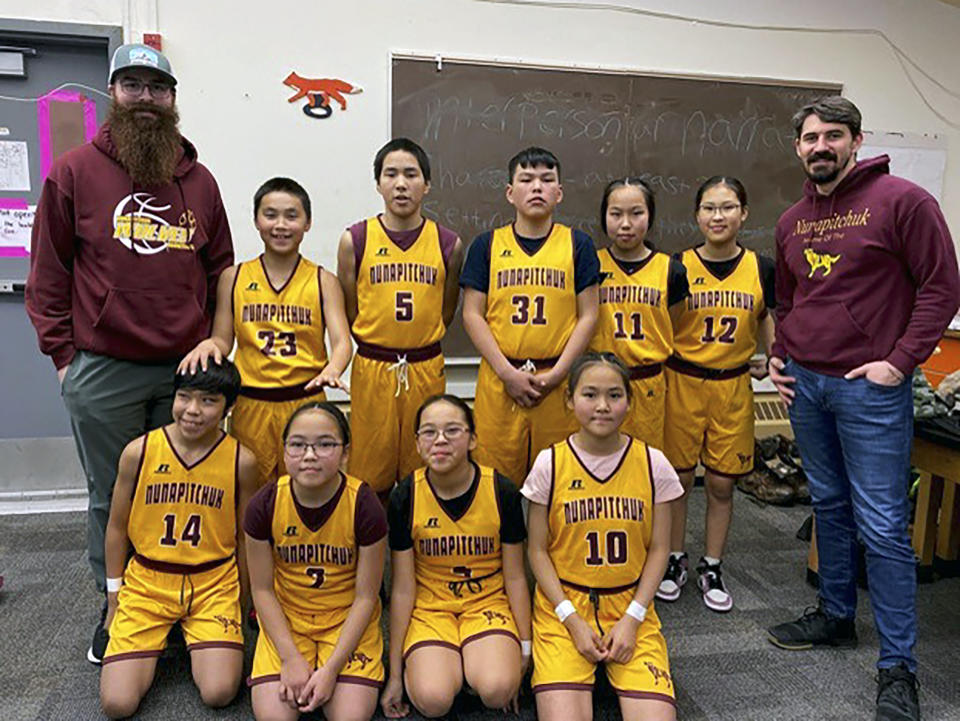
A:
(665, 479)
(537, 486)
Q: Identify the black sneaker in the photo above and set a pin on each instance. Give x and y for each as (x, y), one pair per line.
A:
(814, 628)
(98, 646)
(716, 597)
(674, 578)
(897, 695)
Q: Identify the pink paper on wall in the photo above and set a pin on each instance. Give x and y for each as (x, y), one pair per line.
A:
(45, 138)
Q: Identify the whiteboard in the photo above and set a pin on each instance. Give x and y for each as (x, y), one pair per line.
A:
(919, 158)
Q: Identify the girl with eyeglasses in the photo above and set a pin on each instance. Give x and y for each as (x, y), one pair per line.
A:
(640, 289)
(709, 395)
(459, 604)
(599, 535)
(315, 543)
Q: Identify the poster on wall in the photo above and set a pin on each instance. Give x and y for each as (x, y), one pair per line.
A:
(16, 221)
(14, 166)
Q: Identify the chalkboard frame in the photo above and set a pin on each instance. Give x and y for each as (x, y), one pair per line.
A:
(454, 355)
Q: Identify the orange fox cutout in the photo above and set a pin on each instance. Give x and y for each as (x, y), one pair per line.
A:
(325, 88)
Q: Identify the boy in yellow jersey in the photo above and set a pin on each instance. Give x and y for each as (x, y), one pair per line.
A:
(399, 273)
(179, 492)
(278, 307)
(709, 393)
(530, 307)
(640, 289)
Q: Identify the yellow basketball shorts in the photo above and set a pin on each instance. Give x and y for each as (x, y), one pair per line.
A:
(510, 437)
(709, 421)
(207, 605)
(259, 425)
(486, 617)
(647, 410)
(384, 398)
(557, 665)
(315, 639)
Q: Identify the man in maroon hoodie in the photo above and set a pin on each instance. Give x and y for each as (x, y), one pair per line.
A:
(129, 238)
(866, 284)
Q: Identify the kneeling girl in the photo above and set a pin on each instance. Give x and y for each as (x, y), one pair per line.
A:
(599, 535)
(315, 549)
(459, 607)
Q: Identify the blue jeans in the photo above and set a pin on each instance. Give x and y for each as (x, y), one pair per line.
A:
(854, 438)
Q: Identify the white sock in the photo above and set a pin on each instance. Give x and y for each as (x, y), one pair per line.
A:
(711, 561)
(677, 554)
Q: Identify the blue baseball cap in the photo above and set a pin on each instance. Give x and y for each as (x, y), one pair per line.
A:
(140, 56)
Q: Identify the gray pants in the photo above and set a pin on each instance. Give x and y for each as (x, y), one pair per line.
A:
(111, 402)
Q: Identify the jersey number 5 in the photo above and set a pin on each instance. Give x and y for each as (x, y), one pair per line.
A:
(616, 548)
(404, 306)
(191, 530)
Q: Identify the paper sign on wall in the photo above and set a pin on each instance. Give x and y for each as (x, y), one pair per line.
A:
(921, 159)
(16, 222)
(14, 165)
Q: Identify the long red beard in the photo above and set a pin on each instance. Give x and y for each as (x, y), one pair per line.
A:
(148, 147)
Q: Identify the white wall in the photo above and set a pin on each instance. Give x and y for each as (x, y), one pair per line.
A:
(231, 59)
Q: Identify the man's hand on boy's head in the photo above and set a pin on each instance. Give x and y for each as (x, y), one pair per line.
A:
(200, 357)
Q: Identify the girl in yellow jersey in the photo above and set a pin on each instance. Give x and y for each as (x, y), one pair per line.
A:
(278, 307)
(179, 493)
(460, 608)
(709, 394)
(640, 288)
(399, 272)
(315, 548)
(599, 532)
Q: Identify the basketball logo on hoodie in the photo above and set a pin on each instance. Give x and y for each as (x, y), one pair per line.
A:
(138, 225)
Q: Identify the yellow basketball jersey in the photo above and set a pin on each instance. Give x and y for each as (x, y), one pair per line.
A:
(315, 570)
(718, 326)
(532, 299)
(634, 320)
(400, 292)
(457, 560)
(600, 528)
(279, 330)
(182, 514)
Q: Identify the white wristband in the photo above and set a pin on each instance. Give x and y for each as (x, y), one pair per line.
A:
(113, 584)
(564, 610)
(526, 648)
(637, 611)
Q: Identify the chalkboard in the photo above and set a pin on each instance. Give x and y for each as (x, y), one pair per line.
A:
(674, 131)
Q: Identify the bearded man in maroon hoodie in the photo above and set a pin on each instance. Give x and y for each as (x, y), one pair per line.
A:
(866, 284)
(129, 239)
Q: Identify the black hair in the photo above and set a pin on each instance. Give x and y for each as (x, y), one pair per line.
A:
(631, 181)
(222, 378)
(282, 185)
(406, 145)
(452, 400)
(830, 109)
(531, 158)
(593, 358)
(327, 407)
(729, 181)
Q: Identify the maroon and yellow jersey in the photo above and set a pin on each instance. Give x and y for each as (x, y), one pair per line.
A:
(185, 514)
(315, 569)
(634, 319)
(400, 292)
(532, 299)
(457, 560)
(279, 330)
(720, 320)
(600, 528)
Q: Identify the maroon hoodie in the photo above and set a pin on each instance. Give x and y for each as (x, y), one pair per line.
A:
(91, 288)
(866, 273)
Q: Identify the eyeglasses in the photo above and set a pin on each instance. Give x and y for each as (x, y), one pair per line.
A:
(728, 209)
(298, 449)
(451, 433)
(156, 88)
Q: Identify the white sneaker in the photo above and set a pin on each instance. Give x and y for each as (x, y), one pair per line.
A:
(715, 594)
(674, 578)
